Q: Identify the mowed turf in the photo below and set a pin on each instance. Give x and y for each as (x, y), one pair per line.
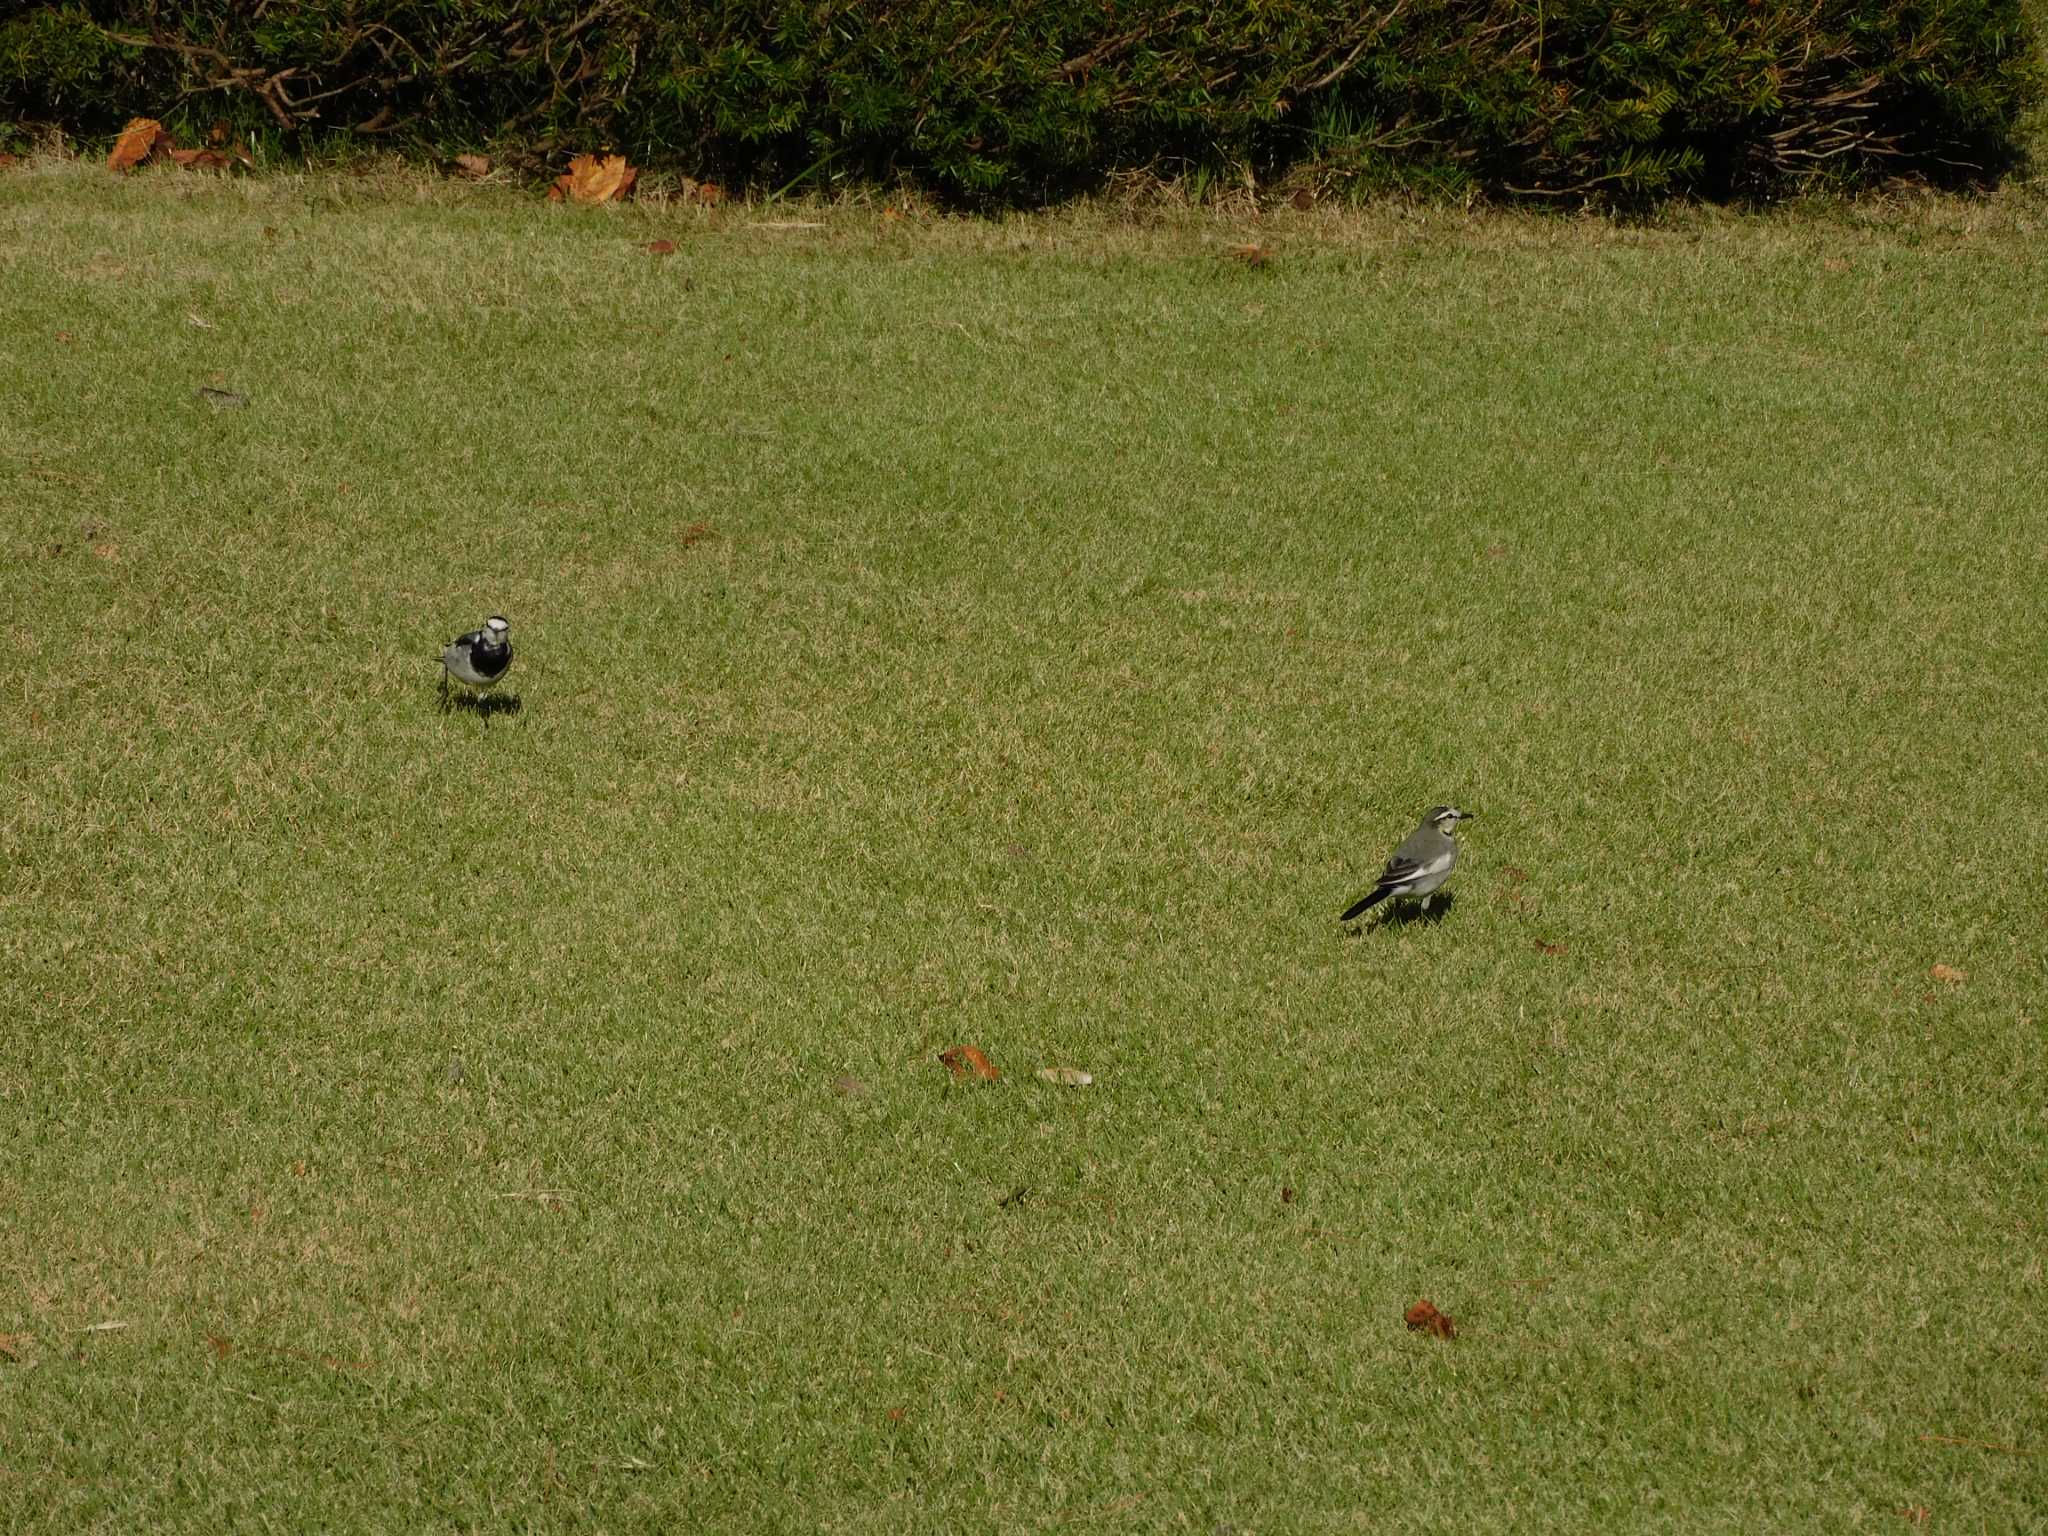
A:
(1029, 636)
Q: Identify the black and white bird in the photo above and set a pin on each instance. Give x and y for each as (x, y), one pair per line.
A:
(480, 659)
(1422, 863)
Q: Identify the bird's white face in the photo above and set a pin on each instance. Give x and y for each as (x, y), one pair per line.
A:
(497, 629)
(1447, 821)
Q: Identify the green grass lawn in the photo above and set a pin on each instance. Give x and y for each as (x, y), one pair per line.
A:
(1029, 636)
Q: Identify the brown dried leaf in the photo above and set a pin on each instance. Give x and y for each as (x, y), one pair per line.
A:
(10, 1344)
(1835, 263)
(475, 167)
(1948, 973)
(962, 1059)
(1423, 1317)
(1544, 946)
(596, 179)
(221, 1347)
(660, 247)
(697, 533)
(1287, 1194)
(709, 193)
(1303, 199)
(1916, 1514)
(1251, 254)
(199, 159)
(141, 141)
(9, 162)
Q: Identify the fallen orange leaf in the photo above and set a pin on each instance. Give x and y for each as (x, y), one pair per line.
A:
(1916, 1514)
(661, 247)
(595, 179)
(140, 141)
(961, 1059)
(475, 167)
(1942, 972)
(1423, 1317)
(1549, 948)
(9, 162)
(710, 193)
(199, 159)
(1252, 255)
(10, 1344)
(221, 1347)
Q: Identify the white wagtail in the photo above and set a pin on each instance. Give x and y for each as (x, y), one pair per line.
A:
(480, 659)
(1422, 863)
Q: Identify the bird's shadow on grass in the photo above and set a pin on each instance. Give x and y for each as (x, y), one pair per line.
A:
(1400, 914)
(482, 706)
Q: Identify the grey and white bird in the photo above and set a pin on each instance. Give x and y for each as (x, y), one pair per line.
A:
(1422, 863)
(480, 659)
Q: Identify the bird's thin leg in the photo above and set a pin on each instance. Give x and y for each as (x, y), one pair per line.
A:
(1426, 901)
(444, 688)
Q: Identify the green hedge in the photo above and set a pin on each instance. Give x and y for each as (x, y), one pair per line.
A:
(1023, 102)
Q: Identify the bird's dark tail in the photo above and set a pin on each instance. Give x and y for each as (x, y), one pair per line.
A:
(1364, 904)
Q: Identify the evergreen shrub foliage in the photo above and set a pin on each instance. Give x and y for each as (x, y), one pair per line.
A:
(1013, 101)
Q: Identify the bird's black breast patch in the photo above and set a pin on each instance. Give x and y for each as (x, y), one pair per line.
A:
(489, 660)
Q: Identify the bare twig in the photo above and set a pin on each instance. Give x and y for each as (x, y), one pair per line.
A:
(1351, 58)
(1094, 56)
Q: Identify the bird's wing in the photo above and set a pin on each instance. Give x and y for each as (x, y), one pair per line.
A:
(1399, 871)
